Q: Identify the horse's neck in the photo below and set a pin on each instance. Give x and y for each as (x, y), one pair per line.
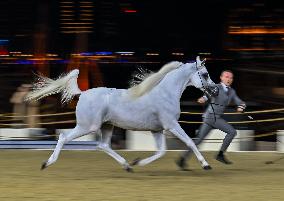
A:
(175, 83)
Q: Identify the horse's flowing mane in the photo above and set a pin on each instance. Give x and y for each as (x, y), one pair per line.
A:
(148, 79)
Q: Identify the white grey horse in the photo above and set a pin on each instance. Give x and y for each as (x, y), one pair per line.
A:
(153, 105)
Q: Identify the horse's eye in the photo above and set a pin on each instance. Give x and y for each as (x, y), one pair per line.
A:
(205, 75)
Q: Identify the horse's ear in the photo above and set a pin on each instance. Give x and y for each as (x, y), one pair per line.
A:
(198, 59)
(199, 62)
(203, 62)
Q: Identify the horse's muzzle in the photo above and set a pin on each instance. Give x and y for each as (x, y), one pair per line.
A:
(211, 91)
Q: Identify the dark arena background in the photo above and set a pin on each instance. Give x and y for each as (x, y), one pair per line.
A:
(108, 41)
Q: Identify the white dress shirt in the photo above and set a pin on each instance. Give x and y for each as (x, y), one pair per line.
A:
(225, 87)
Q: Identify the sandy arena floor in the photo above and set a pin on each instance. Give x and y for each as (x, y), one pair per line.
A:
(92, 175)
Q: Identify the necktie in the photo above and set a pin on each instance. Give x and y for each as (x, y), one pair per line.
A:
(228, 90)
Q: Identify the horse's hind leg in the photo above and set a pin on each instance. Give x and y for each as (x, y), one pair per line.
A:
(160, 140)
(64, 138)
(105, 145)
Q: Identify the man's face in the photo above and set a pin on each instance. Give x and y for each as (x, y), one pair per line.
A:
(227, 78)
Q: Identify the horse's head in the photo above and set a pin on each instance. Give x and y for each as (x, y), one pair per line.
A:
(200, 78)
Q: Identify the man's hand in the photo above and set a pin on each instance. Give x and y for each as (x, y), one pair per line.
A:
(240, 110)
(241, 107)
(201, 100)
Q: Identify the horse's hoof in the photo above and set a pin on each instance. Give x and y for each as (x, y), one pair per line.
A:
(269, 162)
(43, 166)
(135, 161)
(207, 167)
(128, 169)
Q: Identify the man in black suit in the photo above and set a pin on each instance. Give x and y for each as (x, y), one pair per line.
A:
(212, 117)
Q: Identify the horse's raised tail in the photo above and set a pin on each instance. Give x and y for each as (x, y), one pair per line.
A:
(67, 85)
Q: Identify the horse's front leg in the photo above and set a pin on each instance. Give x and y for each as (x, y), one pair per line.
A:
(160, 140)
(176, 129)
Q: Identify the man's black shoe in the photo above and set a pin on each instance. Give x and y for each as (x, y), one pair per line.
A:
(221, 157)
(182, 164)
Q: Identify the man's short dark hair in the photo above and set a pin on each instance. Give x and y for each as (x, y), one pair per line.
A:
(229, 71)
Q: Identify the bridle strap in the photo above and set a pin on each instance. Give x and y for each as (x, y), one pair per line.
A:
(205, 89)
